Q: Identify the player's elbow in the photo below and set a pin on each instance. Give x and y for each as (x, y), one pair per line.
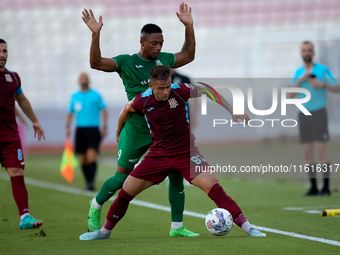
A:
(94, 65)
(191, 58)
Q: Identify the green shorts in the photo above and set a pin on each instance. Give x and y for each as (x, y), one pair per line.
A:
(134, 141)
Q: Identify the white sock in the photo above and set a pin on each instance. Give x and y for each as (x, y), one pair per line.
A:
(176, 225)
(105, 232)
(23, 216)
(95, 204)
(246, 226)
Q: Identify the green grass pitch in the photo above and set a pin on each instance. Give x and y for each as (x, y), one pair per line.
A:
(146, 230)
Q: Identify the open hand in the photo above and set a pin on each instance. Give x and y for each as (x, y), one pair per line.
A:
(91, 21)
(184, 14)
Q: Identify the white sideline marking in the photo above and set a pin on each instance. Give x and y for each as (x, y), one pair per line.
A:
(63, 188)
(310, 207)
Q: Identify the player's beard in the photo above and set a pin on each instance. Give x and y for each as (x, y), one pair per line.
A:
(84, 86)
(4, 63)
(307, 59)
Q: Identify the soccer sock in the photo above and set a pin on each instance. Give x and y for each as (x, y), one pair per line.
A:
(326, 177)
(110, 187)
(92, 172)
(86, 171)
(222, 200)
(95, 204)
(117, 209)
(312, 175)
(176, 196)
(176, 225)
(20, 194)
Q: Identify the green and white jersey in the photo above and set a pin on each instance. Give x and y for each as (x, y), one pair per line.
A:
(135, 70)
(135, 74)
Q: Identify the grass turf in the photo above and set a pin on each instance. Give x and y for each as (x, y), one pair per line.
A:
(146, 231)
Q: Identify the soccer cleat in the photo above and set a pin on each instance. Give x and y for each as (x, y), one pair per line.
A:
(182, 231)
(96, 235)
(93, 220)
(256, 232)
(30, 222)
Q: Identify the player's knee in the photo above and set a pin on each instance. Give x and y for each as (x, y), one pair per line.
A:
(205, 183)
(14, 171)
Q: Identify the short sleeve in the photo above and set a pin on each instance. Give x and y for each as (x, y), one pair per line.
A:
(18, 90)
(188, 90)
(102, 104)
(136, 103)
(329, 78)
(119, 62)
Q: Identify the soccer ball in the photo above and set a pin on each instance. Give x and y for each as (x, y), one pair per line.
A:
(219, 222)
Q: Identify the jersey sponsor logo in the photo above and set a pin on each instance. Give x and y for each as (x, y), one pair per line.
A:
(150, 109)
(158, 63)
(22, 163)
(173, 103)
(8, 77)
(138, 66)
(146, 82)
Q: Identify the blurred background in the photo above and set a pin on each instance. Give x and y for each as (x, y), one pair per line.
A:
(49, 46)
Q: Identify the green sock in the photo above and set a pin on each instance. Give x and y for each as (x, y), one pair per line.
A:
(176, 196)
(110, 187)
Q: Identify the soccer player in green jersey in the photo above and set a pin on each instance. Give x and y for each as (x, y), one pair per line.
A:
(135, 137)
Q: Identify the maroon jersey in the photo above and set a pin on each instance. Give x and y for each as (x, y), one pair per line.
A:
(10, 87)
(168, 120)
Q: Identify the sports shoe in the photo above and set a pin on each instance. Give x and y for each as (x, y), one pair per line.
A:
(30, 222)
(312, 192)
(96, 235)
(182, 231)
(93, 220)
(255, 232)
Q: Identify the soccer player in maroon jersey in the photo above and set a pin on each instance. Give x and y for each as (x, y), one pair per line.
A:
(11, 156)
(165, 107)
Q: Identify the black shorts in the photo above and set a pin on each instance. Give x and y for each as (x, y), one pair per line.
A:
(87, 138)
(314, 127)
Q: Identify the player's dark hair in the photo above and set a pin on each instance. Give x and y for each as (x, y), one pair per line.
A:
(160, 73)
(2, 41)
(151, 28)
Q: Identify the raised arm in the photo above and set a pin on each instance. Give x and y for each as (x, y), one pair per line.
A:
(27, 109)
(123, 118)
(96, 60)
(203, 89)
(187, 54)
